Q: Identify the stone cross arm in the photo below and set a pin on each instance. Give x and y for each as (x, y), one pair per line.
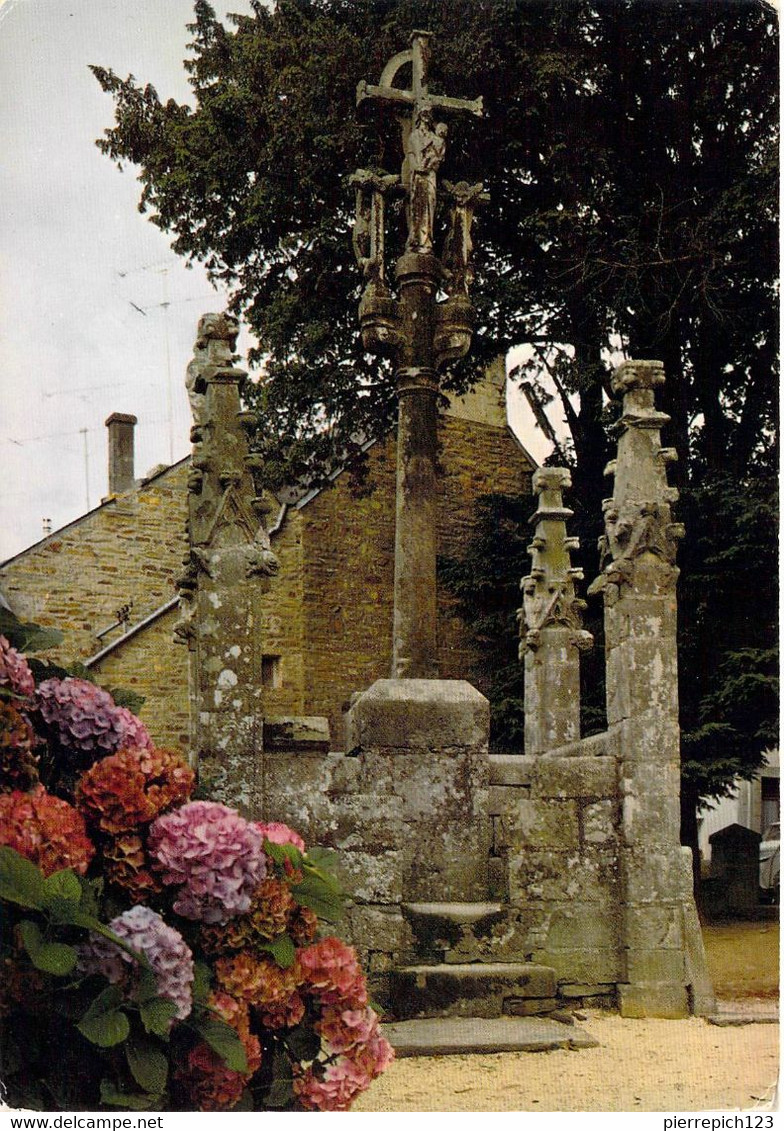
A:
(418, 96)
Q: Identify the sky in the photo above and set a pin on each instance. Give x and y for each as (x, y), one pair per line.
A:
(97, 314)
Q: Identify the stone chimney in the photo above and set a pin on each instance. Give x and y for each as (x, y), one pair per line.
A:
(120, 426)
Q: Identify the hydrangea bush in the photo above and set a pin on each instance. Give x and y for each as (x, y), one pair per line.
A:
(158, 952)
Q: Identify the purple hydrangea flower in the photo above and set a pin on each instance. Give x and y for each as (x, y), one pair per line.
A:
(86, 720)
(214, 854)
(163, 947)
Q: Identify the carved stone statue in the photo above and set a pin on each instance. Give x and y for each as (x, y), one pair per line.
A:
(425, 151)
(368, 232)
(456, 256)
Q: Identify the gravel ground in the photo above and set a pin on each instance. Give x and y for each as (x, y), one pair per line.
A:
(649, 1065)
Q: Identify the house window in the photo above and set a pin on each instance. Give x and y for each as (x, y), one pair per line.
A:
(771, 807)
(270, 672)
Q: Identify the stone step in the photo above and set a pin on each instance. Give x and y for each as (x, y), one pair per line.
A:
(451, 1035)
(472, 989)
(456, 932)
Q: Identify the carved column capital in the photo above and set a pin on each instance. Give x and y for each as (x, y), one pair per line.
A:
(637, 519)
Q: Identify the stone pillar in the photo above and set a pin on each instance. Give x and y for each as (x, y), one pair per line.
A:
(120, 426)
(227, 565)
(638, 582)
(552, 632)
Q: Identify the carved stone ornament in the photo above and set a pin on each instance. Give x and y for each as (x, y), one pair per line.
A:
(639, 534)
(549, 596)
(632, 530)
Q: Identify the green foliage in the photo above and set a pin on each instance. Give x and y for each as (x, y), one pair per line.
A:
(729, 628)
(105, 1023)
(27, 637)
(319, 889)
(486, 583)
(149, 1065)
(221, 1038)
(20, 881)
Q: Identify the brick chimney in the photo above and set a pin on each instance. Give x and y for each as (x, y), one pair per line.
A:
(120, 426)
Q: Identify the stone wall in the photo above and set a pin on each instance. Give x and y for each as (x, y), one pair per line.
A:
(128, 549)
(158, 670)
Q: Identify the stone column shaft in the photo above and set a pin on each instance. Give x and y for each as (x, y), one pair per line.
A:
(415, 628)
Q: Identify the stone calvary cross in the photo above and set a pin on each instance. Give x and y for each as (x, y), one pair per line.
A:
(419, 329)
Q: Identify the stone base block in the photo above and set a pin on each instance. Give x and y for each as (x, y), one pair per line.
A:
(653, 999)
(529, 1006)
(469, 990)
(419, 715)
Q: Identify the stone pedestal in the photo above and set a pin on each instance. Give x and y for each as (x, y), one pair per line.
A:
(423, 745)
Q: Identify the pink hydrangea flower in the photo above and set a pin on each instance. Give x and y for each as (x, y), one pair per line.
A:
(356, 1034)
(334, 1089)
(86, 720)
(15, 672)
(342, 1029)
(332, 973)
(278, 833)
(163, 947)
(213, 854)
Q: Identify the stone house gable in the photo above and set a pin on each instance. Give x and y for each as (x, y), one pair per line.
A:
(327, 616)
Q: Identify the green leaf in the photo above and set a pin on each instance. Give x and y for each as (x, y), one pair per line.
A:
(280, 853)
(104, 1023)
(27, 637)
(91, 893)
(20, 881)
(123, 697)
(145, 987)
(282, 950)
(148, 1064)
(130, 1100)
(223, 1040)
(51, 957)
(201, 981)
(107, 1030)
(325, 859)
(320, 897)
(281, 1091)
(157, 1015)
(64, 884)
(303, 1042)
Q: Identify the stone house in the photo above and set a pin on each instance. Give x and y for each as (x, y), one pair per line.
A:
(107, 579)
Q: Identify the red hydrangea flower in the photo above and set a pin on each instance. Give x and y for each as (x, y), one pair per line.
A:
(132, 787)
(46, 830)
(207, 1082)
(333, 1088)
(18, 765)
